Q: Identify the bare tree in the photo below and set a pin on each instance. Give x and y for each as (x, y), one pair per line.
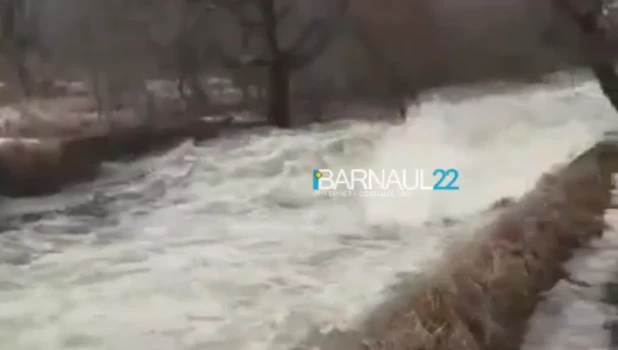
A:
(112, 35)
(395, 84)
(188, 52)
(268, 17)
(105, 44)
(252, 80)
(16, 41)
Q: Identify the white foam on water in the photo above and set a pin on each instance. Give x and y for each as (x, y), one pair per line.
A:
(235, 252)
(500, 144)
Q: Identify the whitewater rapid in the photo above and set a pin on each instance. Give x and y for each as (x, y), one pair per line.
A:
(222, 245)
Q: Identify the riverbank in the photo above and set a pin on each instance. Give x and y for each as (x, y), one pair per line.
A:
(48, 144)
(579, 312)
(64, 140)
(484, 292)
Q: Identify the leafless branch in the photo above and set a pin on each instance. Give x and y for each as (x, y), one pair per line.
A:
(322, 32)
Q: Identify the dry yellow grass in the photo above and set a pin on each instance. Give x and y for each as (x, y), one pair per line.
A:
(482, 295)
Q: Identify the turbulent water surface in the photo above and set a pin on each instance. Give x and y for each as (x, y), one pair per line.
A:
(222, 245)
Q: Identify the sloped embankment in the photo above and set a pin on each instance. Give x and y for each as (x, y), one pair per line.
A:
(579, 312)
(30, 167)
(45, 153)
(483, 294)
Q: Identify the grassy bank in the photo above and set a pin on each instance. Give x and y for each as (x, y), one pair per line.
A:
(484, 292)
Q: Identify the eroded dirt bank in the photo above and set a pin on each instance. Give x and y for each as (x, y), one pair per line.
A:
(47, 145)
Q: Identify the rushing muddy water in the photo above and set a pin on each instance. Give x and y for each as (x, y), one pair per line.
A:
(222, 245)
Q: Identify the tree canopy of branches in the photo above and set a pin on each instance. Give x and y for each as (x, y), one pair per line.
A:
(267, 18)
(388, 50)
(186, 52)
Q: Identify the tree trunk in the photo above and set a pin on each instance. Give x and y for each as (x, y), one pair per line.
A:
(604, 70)
(102, 94)
(608, 80)
(279, 94)
(602, 67)
(24, 77)
(197, 91)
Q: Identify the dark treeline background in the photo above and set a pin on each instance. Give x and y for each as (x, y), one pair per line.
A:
(285, 55)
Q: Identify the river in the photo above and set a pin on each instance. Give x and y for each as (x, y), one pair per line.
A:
(222, 245)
